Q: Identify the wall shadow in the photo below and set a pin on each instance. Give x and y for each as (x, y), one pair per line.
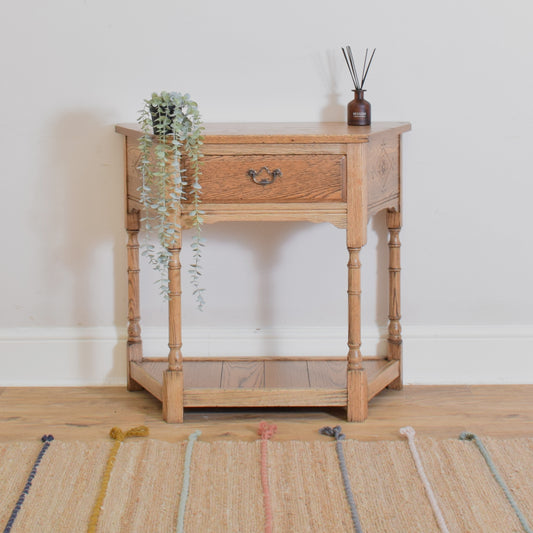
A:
(264, 241)
(87, 217)
(378, 225)
(327, 66)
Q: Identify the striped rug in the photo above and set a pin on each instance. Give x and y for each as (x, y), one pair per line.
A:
(221, 486)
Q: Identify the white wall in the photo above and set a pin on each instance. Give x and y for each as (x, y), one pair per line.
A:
(460, 71)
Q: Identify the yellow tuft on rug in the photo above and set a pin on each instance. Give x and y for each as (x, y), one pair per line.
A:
(225, 492)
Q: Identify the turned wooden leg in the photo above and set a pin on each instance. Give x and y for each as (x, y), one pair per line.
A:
(134, 350)
(356, 378)
(173, 396)
(173, 377)
(395, 329)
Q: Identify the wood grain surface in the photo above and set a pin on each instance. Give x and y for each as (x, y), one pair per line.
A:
(79, 413)
(284, 132)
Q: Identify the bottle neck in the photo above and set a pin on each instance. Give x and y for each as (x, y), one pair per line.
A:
(359, 94)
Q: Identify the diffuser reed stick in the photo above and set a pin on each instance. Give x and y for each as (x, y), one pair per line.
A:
(348, 57)
(349, 67)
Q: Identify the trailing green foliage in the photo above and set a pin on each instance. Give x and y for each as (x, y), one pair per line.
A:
(172, 130)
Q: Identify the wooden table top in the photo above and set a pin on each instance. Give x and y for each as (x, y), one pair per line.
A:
(285, 132)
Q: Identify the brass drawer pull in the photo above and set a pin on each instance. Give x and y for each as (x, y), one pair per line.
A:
(265, 181)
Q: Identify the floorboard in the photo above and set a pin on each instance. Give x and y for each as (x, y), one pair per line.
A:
(436, 411)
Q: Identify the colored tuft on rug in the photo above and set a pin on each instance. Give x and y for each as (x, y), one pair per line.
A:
(224, 488)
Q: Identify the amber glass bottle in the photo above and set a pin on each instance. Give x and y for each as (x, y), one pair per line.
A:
(359, 109)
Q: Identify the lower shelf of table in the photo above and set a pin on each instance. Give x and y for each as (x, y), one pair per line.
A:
(242, 382)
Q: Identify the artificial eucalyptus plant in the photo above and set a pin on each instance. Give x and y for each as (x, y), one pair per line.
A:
(172, 131)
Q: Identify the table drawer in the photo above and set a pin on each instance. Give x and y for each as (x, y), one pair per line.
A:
(273, 178)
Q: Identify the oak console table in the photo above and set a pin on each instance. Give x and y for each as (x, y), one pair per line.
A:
(317, 172)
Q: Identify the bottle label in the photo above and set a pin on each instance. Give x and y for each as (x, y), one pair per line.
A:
(359, 114)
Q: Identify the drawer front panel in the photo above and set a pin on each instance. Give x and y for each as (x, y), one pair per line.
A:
(291, 178)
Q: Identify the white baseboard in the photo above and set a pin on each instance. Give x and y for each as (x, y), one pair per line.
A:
(469, 355)
(50, 357)
(432, 354)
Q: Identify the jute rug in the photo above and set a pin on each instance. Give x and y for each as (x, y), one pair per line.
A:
(226, 492)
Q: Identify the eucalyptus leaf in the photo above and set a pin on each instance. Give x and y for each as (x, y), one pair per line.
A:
(164, 179)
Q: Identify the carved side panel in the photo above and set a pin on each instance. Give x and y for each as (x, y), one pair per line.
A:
(383, 173)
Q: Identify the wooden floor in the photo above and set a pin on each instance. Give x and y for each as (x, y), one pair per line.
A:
(437, 411)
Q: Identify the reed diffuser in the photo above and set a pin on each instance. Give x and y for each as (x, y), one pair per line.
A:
(358, 108)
